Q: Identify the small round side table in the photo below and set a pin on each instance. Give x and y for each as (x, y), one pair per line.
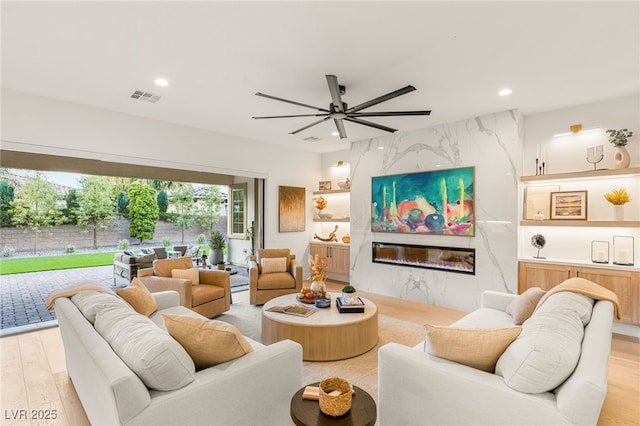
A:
(305, 412)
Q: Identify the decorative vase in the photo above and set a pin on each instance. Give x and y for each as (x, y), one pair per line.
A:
(349, 296)
(318, 287)
(618, 212)
(621, 158)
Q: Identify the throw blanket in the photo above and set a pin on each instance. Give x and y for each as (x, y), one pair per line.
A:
(586, 288)
(73, 289)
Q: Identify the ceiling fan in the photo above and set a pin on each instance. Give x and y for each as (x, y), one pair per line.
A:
(339, 111)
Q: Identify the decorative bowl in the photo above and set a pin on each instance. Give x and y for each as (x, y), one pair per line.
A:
(325, 215)
(323, 302)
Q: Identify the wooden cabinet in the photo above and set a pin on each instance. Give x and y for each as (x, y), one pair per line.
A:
(337, 256)
(625, 284)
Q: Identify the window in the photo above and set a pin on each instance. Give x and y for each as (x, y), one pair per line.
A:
(238, 211)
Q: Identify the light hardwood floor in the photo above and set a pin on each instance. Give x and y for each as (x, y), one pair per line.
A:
(34, 375)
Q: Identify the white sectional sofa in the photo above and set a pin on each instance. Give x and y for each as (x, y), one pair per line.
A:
(416, 388)
(254, 389)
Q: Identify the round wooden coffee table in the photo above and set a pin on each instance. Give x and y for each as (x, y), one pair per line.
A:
(306, 412)
(327, 335)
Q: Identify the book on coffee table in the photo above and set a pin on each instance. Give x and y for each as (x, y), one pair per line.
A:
(297, 310)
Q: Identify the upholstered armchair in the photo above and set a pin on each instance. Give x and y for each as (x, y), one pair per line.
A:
(205, 291)
(273, 273)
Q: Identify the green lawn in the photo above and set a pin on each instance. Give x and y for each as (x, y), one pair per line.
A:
(50, 263)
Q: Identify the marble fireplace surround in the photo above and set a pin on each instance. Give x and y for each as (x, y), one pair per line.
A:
(493, 145)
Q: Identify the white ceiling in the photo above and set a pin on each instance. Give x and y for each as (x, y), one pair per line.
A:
(217, 55)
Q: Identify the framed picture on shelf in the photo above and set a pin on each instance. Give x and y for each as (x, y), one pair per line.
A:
(569, 205)
(324, 185)
(537, 201)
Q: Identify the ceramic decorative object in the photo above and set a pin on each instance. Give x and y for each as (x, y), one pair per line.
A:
(318, 287)
(621, 158)
(619, 139)
(618, 212)
(344, 183)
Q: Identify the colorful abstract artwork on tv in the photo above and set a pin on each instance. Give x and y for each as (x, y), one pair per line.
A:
(438, 202)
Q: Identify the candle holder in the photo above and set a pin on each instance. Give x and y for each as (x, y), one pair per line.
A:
(600, 251)
(623, 250)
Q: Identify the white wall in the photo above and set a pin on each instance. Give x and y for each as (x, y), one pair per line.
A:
(493, 145)
(41, 125)
(568, 153)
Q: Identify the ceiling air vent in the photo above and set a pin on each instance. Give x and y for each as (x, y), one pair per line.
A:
(145, 96)
(311, 139)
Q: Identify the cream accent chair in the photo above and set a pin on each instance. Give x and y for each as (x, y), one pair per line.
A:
(265, 286)
(211, 297)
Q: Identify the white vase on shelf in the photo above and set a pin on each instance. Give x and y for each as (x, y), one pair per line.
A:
(621, 158)
(618, 212)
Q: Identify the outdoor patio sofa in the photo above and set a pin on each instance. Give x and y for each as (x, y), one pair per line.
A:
(127, 264)
(254, 389)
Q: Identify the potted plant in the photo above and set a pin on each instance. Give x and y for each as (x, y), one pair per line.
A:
(618, 198)
(349, 292)
(217, 243)
(618, 138)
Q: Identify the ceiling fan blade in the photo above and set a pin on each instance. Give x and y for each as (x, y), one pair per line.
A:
(291, 102)
(334, 89)
(387, 113)
(382, 98)
(370, 124)
(291, 116)
(340, 127)
(309, 125)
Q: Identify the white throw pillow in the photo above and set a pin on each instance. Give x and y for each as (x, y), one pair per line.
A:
(271, 265)
(150, 352)
(548, 349)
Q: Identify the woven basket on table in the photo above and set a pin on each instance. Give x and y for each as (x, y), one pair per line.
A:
(335, 405)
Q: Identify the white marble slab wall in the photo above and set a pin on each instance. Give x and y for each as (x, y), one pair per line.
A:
(493, 145)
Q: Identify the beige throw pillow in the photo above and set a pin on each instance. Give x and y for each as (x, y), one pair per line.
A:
(192, 274)
(475, 347)
(139, 297)
(522, 307)
(208, 342)
(273, 264)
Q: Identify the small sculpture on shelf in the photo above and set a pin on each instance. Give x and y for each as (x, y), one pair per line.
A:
(332, 236)
(538, 241)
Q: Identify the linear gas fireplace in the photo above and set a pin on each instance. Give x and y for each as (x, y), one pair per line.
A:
(451, 259)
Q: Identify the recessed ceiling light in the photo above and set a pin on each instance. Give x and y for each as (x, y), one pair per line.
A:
(335, 134)
(504, 92)
(161, 82)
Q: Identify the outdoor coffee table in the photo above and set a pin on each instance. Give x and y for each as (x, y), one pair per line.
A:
(327, 335)
(306, 412)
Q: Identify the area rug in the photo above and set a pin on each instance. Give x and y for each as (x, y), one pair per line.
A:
(361, 370)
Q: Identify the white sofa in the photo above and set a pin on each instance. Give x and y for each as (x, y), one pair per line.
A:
(416, 388)
(253, 389)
